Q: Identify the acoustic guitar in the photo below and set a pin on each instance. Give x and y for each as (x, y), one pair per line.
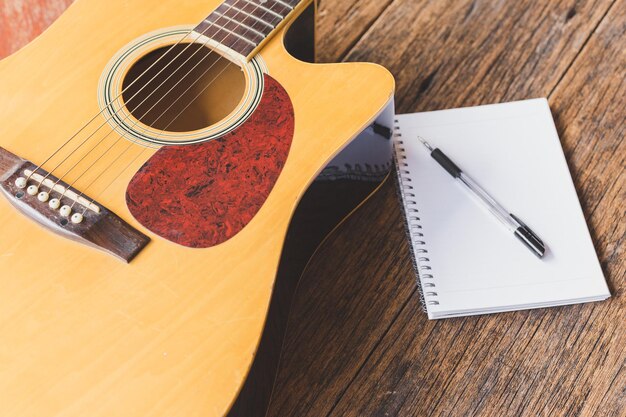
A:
(164, 184)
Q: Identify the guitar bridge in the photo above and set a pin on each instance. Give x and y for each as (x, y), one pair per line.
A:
(65, 211)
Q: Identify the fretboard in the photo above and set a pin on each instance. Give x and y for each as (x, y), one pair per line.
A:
(242, 25)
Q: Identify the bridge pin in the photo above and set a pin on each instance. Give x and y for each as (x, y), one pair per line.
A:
(55, 203)
(21, 182)
(66, 211)
(77, 218)
(43, 196)
(32, 190)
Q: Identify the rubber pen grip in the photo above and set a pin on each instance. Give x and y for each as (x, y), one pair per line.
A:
(446, 163)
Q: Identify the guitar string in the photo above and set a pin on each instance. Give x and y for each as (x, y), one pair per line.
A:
(143, 149)
(100, 141)
(108, 105)
(159, 117)
(130, 145)
(117, 112)
(119, 174)
(140, 118)
(167, 93)
(122, 92)
(160, 133)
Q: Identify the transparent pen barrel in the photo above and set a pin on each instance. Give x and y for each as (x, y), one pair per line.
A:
(488, 202)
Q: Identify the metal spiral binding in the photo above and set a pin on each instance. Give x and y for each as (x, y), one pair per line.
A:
(421, 262)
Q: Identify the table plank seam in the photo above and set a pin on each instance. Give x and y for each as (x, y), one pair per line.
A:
(505, 353)
(582, 330)
(619, 371)
(581, 49)
(516, 368)
(513, 370)
(581, 404)
(449, 379)
(371, 352)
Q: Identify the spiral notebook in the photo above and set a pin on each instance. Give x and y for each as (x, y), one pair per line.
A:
(467, 263)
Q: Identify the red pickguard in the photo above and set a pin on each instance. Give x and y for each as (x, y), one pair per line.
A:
(202, 195)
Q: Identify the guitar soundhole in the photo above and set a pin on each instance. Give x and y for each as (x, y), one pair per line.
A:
(193, 88)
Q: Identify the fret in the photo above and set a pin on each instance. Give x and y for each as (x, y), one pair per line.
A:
(282, 7)
(246, 19)
(242, 25)
(270, 11)
(250, 28)
(249, 15)
(225, 38)
(235, 26)
(266, 9)
(290, 4)
(243, 38)
(284, 4)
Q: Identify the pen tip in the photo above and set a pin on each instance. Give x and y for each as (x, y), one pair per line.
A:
(426, 144)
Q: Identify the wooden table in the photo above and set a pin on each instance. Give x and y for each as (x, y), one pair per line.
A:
(358, 343)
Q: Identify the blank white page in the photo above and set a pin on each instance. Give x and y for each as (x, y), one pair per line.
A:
(513, 151)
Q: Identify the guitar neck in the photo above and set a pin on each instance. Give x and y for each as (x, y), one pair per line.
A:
(240, 27)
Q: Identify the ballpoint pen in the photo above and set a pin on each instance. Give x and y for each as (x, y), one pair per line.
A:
(510, 221)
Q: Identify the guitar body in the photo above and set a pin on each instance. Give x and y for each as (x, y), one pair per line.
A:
(192, 323)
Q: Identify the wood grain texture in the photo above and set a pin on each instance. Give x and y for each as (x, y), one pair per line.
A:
(358, 343)
(173, 333)
(380, 355)
(342, 24)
